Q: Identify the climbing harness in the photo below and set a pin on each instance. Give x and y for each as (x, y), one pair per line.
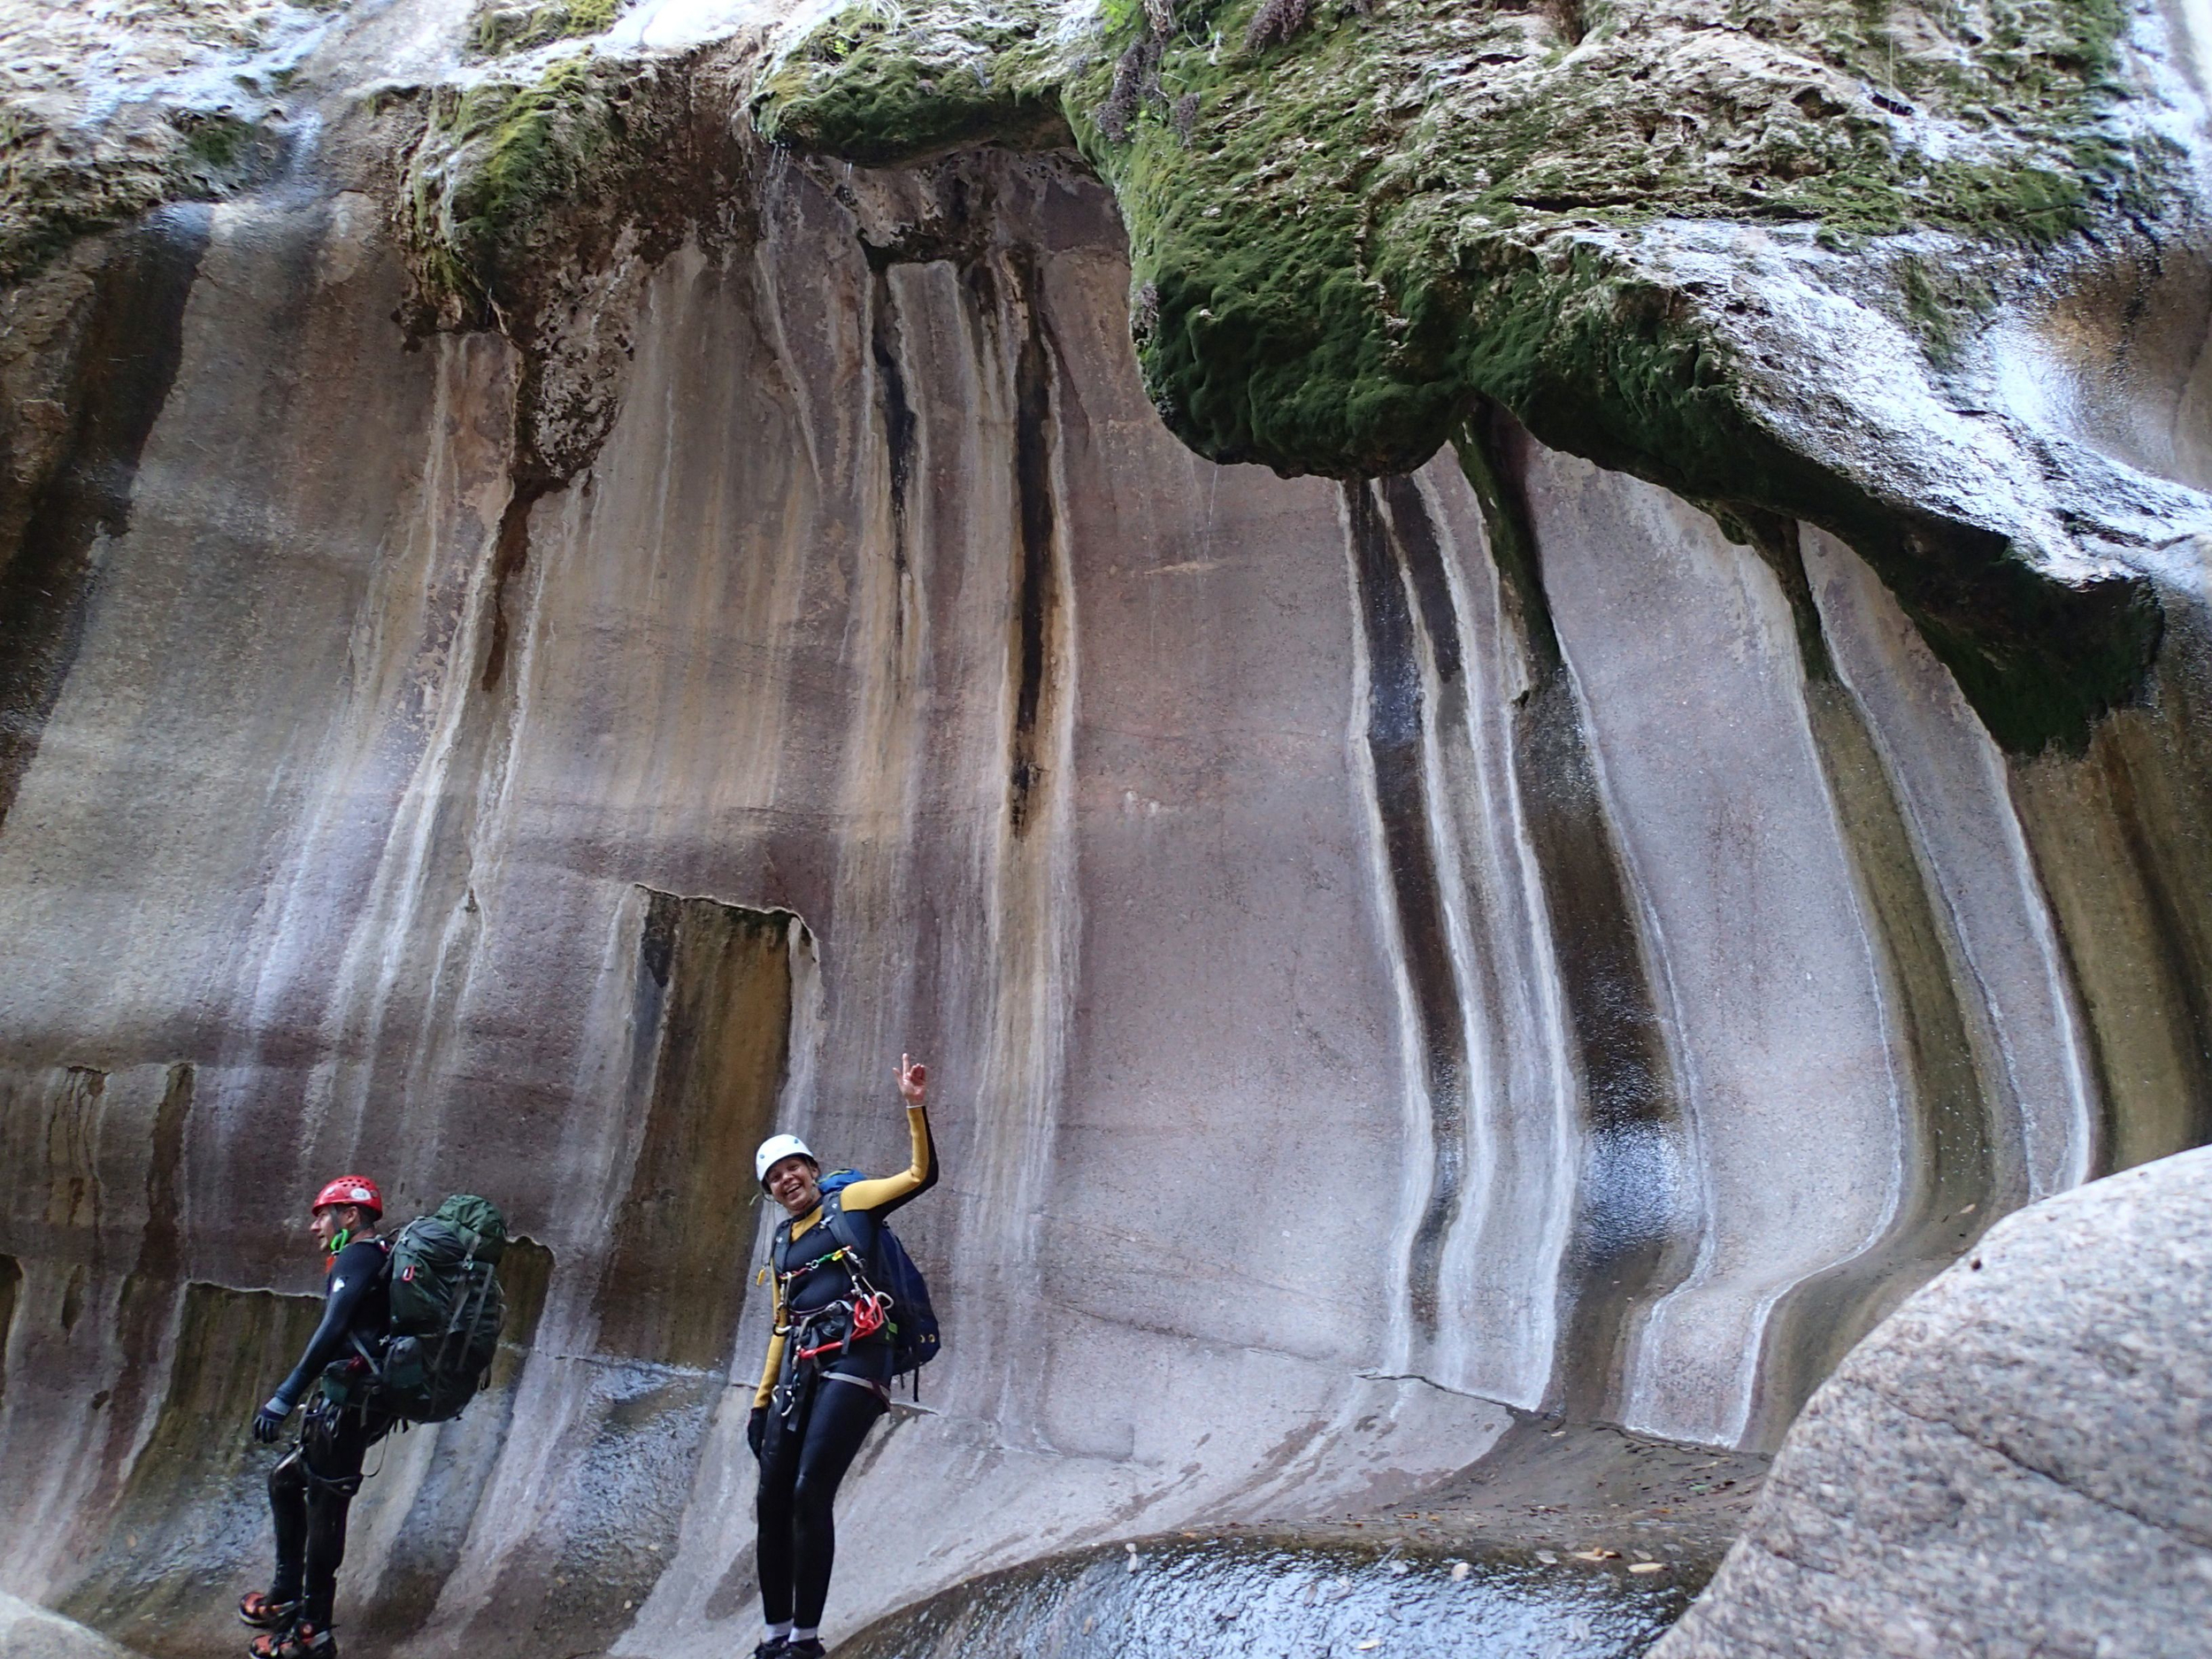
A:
(904, 1319)
(863, 1314)
(817, 1337)
(836, 1328)
(324, 1408)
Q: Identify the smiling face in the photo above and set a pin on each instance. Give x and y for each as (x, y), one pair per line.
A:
(792, 1183)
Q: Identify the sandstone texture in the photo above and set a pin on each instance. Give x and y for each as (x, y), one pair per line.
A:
(1752, 252)
(588, 607)
(2016, 1463)
(107, 109)
(30, 1631)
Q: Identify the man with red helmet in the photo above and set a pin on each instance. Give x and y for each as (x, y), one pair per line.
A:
(312, 1486)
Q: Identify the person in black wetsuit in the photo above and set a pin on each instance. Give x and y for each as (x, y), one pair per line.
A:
(313, 1485)
(829, 1372)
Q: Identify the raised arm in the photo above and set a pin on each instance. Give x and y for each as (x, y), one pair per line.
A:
(886, 1194)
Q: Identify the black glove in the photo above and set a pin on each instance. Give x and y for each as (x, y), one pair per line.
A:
(268, 1423)
(757, 1429)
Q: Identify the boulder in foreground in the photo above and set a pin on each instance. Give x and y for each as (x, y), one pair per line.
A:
(2015, 1464)
(30, 1631)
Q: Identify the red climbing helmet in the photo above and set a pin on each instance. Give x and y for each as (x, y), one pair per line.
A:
(350, 1189)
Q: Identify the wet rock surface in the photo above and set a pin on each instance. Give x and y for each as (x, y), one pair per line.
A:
(1748, 252)
(1578, 1487)
(1275, 1597)
(2015, 1464)
(30, 1631)
(110, 109)
(556, 632)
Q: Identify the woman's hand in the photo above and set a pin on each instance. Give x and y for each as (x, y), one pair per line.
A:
(913, 1079)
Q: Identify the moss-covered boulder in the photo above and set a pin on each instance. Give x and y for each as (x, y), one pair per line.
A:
(1744, 248)
(534, 198)
(508, 170)
(499, 28)
(103, 119)
(1340, 213)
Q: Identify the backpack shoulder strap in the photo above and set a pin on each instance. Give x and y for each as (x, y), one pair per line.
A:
(384, 1247)
(840, 1225)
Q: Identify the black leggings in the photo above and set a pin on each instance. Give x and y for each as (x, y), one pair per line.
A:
(309, 1491)
(802, 1461)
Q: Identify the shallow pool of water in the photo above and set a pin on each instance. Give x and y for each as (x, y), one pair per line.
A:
(1272, 1599)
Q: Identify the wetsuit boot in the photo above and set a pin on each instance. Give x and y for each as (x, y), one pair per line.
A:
(257, 1610)
(302, 1641)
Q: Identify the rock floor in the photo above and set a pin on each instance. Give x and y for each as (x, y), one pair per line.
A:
(1588, 1494)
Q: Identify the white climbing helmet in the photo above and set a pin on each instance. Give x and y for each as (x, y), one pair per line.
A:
(774, 1150)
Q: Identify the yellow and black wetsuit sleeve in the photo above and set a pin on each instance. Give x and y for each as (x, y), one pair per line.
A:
(775, 1345)
(886, 1194)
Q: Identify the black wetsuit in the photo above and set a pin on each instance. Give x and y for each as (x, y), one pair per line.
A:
(312, 1486)
(820, 1411)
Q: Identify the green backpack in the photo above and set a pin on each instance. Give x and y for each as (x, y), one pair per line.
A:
(447, 1310)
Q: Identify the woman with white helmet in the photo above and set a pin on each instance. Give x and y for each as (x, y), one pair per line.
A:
(829, 1372)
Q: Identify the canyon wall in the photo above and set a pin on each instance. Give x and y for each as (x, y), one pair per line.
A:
(1392, 950)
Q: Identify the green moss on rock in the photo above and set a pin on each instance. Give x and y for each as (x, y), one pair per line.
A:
(1351, 219)
(107, 113)
(52, 193)
(502, 161)
(1313, 214)
(876, 86)
(499, 27)
(1411, 150)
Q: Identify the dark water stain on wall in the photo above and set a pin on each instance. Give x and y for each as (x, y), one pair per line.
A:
(11, 1289)
(146, 1305)
(511, 554)
(900, 428)
(2122, 839)
(193, 1523)
(1633, 1238)
(51, 1124)
(953, 228)
(127, 358)
(63, 1110)
(526, 1278)
(1036, 599)
(2126, 948)
(1492, 451)
(1962, 1167)
(1397, 735)
(712, 1015)
(161, 1248)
